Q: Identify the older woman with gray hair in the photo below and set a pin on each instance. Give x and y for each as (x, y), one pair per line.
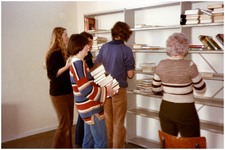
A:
(177, 78)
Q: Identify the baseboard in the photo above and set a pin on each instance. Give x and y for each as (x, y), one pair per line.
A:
(30, 133)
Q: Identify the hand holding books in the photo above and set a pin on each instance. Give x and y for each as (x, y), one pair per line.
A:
(110, 91)
(102, 78)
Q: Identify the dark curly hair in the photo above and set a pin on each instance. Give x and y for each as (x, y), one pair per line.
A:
(122, 30)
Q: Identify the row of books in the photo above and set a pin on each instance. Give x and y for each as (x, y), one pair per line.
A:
(212, 42)
(98, 42)
(145, 47)
(209, 43)
(214, 13)
(102, 78)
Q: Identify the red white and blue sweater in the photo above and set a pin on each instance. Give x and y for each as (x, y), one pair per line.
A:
(177, 78)
(89, 97)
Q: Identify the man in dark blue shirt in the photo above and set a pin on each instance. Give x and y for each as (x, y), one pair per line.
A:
(118, 60)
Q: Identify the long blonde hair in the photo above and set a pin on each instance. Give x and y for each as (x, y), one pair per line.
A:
(56, 44)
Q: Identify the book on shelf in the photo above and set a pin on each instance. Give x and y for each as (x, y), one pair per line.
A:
(192, 17)
(141, 26)
(99, 38)
(206, 12)
(206, 21)
(182, 19)
(148, 67)
(138, 46)
(219, 18)
(150, 47)
(218, 10)
(145, 47)
(212, 45)
(214, 6)
(192, 21)
(205, 17)
(98, 42)
(218, 42)
(220, 37)
(206, 74)
(197, 47)
(102, 78)
(192, 11)
(203, 39)
(89, 24)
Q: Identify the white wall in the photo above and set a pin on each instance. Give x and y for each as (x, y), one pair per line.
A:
(26, 31)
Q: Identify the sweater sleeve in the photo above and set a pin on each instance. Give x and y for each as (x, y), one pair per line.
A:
(129, 60)
(53, 65)
(157, 83)
(198, 83)
(81, 84)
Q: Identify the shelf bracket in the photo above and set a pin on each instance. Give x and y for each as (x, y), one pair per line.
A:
(217, 92)
(208, 63)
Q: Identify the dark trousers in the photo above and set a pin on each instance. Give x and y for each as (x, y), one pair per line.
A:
(64, 106)
(79, 135)
(179, 117)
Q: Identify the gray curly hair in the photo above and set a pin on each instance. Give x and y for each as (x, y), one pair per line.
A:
(177, 44)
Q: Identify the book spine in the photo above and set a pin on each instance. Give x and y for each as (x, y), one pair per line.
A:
(201, 38)
(211, 47)
(195, 49)
(218, 43)
(219, 39)
(211, 43)
(196, 46)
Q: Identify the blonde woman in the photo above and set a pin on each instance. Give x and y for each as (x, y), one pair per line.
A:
(60, 91)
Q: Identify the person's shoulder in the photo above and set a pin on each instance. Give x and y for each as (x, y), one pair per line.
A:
(55, 53)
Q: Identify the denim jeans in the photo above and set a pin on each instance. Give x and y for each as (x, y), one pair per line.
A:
(95, 136)
(79, 135)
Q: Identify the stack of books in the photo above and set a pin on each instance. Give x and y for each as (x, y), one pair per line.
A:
(146, 86)
(197, 47)
(192, 16)
(209, 43)
(145, 47)
(89, 24)
(102, 78)
(148, 67)
(217, 11)
(98, 42)
(206, 16)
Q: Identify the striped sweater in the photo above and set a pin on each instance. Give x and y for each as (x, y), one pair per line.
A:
(177, 78)
(89, 97)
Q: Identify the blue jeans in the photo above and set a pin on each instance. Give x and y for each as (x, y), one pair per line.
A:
(95, 136)
(79, 135)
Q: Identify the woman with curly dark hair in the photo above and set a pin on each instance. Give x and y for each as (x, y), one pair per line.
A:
(57, 64)
(118, 61)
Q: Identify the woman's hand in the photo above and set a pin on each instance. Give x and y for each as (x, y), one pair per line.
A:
(63, 69)
(110, 91)
(68, 63)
